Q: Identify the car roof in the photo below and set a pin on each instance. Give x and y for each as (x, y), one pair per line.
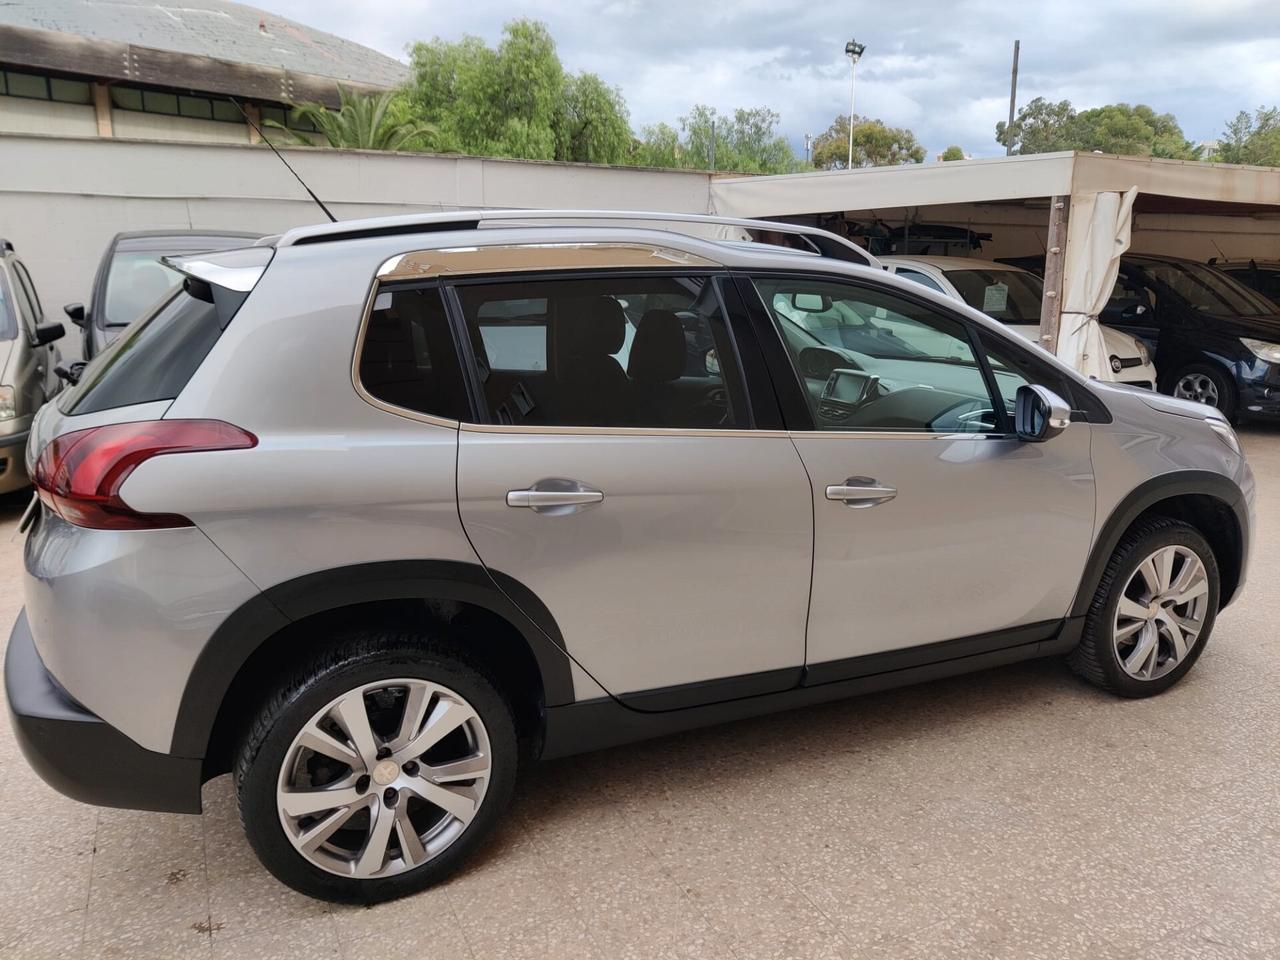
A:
(952, 263)
(1245, 264)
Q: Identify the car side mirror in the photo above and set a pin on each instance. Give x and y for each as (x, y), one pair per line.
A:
(76, 312)
(46, 333)
(1039, 413)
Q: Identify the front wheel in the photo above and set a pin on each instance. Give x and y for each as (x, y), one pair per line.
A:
(1208, 385)
(376, 769)
(1153, 611)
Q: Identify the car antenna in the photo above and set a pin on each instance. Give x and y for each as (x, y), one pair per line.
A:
(257, 129)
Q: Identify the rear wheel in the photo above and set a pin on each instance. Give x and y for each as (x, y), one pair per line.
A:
(1206, 384)
(1153, 611)
(376, 769)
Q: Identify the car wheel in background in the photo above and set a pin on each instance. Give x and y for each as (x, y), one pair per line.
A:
(1153, 610)
(1205, 383)
(377, 768)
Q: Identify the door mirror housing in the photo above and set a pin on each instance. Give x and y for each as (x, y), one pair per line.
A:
(1039, 413)
(46, 333)
(76, 312)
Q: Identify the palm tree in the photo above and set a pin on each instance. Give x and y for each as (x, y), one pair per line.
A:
(361, 122)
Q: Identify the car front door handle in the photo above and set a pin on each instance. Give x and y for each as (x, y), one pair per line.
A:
(555, 497)
(861, 492)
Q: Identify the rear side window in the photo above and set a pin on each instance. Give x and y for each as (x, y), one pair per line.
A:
(408, 358)
(608, 351)
(152, 360)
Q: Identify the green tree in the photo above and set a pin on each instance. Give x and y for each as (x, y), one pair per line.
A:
(952, 153)
(875, 144)
(592, 125)
(1252, 139)
(362, 121)
(657, 146)
(1040, 127)
(745, 142)
(516, 100)
(1136, 131)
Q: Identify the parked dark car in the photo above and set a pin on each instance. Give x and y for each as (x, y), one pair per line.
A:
(1213, 339)
(1260, 275)
(131, 278)
(28, 358)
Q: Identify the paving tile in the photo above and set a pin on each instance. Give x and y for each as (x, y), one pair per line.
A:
(256, 902)
(313, 939)
(27, 937)
(146, 911)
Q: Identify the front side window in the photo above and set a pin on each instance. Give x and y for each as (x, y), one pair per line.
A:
(408, 357)
(639, 351)
(872, 360)
(1012, 367)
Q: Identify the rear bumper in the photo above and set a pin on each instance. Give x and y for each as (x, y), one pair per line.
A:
(81, 755)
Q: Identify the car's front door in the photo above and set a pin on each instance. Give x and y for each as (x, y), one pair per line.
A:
(620, 475)
(932, 522)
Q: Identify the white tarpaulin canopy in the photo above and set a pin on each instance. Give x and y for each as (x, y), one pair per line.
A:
(1098, 233)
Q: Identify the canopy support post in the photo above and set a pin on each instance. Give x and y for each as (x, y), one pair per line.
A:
(1054, 256)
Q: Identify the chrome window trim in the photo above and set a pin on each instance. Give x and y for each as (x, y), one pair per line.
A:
(527, 257)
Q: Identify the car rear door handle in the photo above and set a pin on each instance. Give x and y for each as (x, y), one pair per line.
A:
(861, 492)
(555, 496)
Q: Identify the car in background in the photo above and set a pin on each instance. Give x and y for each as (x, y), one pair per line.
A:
(1214, 340)
(28, 358)
(1260, 275)
(1012, 296)
(131, 278)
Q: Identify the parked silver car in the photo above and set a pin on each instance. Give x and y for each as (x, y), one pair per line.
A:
(371, 512)
(28, 359)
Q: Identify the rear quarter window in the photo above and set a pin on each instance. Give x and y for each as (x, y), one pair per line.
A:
(152, 359)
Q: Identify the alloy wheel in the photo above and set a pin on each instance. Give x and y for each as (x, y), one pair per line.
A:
(384, 778)
(1198, 387)
(1161, 612)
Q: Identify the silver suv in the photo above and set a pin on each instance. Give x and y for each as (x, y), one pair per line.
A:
(370, 513)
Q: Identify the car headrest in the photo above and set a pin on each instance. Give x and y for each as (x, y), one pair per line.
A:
(587, 327)
(658, 351)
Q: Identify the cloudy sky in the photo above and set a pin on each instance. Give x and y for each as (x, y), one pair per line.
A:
(940, 68)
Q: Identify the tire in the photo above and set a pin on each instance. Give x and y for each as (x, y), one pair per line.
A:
(1198, 380)
(1101, 658)
(346, 678)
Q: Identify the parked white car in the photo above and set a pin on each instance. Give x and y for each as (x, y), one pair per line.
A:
(1012, 296)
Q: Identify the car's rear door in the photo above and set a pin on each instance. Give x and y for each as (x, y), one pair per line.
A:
(626, 477)
(933, 525)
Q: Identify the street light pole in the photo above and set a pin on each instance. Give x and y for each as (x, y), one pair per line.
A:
(853, 50)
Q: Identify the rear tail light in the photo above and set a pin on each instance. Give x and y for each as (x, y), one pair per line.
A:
(79, 475)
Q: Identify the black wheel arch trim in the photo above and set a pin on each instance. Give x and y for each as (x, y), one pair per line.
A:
(1147, 495)
(256, 621)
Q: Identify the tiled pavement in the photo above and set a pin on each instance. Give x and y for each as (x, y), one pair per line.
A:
(1015, 813)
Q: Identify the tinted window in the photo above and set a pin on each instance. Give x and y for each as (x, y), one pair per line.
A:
(871, 360)
(604, 352)
(921, 278)
(408, 357)
(135, 281)
(1009, 296)
(24, 281)
(1206, 289)
(1265, 280)
(152, 359)
(8, 309)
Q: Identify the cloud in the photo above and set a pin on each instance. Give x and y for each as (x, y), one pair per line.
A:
(941, 68)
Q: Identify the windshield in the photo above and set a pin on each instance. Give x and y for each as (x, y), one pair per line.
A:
(8, 323)
(1208, 290)
(135, 282)
(1009, 296)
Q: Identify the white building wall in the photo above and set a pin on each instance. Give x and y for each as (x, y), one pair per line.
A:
(19, 115)
(136, 125)
(62, 199)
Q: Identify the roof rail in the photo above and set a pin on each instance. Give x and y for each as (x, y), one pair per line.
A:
(823, 242)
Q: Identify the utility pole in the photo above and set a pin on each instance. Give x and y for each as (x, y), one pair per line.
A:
(713, 146)
(1013, 100)
(853, 50)
(808, 149)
